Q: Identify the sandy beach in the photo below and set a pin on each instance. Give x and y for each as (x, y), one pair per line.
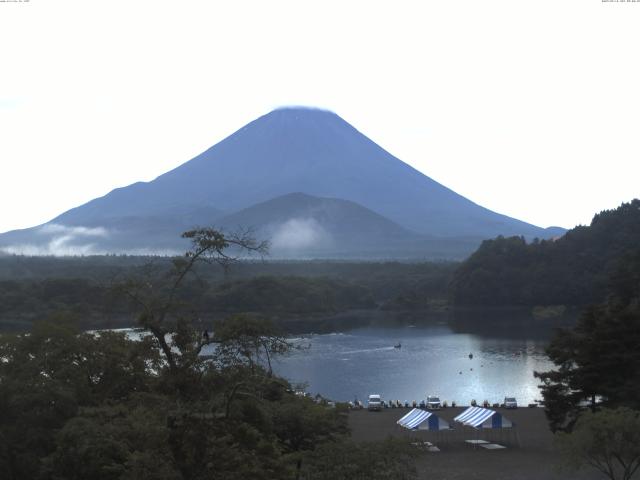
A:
(530, 452)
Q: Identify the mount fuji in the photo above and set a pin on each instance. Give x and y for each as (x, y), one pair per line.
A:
(302, 177)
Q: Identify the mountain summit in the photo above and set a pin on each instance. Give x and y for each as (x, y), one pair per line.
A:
(288, 150)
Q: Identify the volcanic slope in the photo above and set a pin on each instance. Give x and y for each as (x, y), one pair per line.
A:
(301, 225)
(288, 150)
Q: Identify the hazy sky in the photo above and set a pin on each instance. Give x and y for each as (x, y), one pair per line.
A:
(530, 108)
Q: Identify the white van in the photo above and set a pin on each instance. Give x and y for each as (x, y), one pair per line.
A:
(433, 402)
(374, 403)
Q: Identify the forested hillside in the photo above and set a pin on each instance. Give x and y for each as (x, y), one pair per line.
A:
(571, 270)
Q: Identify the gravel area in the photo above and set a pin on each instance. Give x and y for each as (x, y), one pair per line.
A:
(530, 452)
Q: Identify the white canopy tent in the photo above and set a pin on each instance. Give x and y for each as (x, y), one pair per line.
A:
(481, 419)
(478, 417)
(418, 419)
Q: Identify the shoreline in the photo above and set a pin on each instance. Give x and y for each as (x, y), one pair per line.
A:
(503, 319)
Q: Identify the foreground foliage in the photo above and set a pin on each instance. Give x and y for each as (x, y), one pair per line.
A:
(598, 361)
(77, 405)
(608, 440)
(102, 406)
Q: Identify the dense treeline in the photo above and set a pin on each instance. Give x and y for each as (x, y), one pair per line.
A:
(85, 287)
(572, 270)
(107, 267)
(290, 294)
(24, 301)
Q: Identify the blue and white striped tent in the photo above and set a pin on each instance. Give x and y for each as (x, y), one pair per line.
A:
(478, 417)
(418, 419)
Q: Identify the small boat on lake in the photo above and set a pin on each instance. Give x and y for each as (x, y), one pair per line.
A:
(399, 345)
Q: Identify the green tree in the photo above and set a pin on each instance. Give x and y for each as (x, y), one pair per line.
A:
(115, 440)
(598, 361)
(49, 375)
(608, 440)
(161, 310)
(101, 405)
(248, 339)
(571, 270)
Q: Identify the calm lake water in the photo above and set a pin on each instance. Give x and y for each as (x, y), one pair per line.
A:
(432, 360)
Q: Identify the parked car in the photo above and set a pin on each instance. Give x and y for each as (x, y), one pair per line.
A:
(374, 403)
(433, 403)
(510, 402)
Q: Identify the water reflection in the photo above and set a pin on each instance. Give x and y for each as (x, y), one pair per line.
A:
(432, 360)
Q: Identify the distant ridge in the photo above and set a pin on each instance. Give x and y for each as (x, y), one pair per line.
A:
(305, 150)
(302, 225)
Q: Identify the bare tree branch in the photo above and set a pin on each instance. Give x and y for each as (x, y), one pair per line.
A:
(157, 296)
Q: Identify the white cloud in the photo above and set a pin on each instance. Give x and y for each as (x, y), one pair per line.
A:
(299, 234)
(58, 246)
(65, 240)
(62, 240)
(72, 232)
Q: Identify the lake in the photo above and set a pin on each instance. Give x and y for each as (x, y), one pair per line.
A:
(432, 360)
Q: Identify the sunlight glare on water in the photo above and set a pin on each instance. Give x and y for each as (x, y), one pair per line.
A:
(431, 361)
